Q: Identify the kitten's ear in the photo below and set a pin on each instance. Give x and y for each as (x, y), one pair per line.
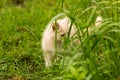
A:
(55, 26)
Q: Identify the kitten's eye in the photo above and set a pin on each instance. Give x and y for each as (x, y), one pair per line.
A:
(62, 35)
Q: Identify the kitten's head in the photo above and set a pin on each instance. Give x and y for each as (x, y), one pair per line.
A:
(61, 27)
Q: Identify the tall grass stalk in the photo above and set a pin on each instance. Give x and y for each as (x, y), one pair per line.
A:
(99, 54)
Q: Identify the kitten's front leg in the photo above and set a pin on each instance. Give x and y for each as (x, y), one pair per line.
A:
(48, 56)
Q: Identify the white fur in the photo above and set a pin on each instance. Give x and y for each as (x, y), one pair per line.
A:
(98, 21)
(48, 40)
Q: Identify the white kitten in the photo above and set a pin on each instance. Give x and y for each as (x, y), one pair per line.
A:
(48, 41)
(62, 27)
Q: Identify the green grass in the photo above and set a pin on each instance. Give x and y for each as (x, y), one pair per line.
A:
(96, 58)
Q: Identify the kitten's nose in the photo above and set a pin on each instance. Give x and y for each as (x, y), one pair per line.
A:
(62, 34)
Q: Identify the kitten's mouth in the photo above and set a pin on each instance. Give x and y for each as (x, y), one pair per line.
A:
(60, 43)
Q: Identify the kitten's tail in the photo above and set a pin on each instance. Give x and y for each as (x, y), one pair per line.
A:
(98, 21)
